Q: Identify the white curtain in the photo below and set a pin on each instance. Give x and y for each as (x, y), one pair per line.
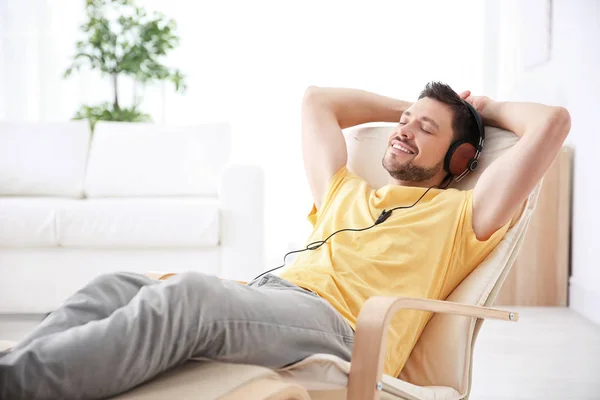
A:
(248, 62)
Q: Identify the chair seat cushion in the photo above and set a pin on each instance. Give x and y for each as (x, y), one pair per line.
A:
(198, 380)
(139, 223)
(327, 372)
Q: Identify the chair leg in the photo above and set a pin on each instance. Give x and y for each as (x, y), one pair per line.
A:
(268, 389)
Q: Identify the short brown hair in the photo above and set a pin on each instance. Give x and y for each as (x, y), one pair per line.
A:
(464, 124)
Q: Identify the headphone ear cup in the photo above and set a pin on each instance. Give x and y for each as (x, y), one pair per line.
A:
(459, 158)
(449, 154)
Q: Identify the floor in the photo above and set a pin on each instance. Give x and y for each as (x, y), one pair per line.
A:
(550, 354)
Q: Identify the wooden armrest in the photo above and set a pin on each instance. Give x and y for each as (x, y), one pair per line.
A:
(368, 355)
(161, 276)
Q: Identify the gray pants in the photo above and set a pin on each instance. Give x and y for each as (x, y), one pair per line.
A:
(123, 329)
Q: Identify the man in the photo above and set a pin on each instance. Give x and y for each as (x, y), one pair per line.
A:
(123, 329)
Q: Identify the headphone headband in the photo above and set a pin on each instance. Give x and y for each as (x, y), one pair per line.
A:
(480, 126)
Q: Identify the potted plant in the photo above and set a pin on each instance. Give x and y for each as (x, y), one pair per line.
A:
(121, 39)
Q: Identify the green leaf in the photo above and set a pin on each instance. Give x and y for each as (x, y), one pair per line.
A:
(106, 112)
(131, 43)
(68, 72)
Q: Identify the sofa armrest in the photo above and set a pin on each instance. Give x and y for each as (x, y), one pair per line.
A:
(242, 242)
(368, 355)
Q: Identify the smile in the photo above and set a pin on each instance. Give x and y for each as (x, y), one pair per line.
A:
(398, 146)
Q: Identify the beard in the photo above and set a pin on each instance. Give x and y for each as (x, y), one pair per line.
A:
(407, 171)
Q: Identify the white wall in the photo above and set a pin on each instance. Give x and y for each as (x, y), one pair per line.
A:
(571, 78)
(249, 62)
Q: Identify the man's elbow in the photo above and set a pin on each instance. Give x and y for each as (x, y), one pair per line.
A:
(560, 122)
(312, 94)
(317, 100)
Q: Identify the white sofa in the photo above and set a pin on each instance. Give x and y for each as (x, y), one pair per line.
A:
(132, 197)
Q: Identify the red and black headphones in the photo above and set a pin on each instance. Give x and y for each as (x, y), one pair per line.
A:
(463, 155)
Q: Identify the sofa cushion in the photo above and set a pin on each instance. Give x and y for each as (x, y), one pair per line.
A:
(43, 159)
(29, 221)
(139, 223)
(129, 159)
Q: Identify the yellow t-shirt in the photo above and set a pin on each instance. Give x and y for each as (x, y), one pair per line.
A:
(424, 251)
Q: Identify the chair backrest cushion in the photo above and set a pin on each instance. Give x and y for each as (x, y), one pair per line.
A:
(367, 145)
(442, 355)
(43, 159)
(140, 159)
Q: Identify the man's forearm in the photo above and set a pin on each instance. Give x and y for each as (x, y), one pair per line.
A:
(520, 117)
(353, 107)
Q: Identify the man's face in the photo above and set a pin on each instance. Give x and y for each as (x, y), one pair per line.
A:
(416, 148)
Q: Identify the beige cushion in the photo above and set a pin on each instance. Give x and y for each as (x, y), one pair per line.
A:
(198, 380)
(367, 145)
(325, 372)
(442, 356)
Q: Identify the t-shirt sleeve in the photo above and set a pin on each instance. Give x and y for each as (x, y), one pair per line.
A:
(342, 175)
(470, 251)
